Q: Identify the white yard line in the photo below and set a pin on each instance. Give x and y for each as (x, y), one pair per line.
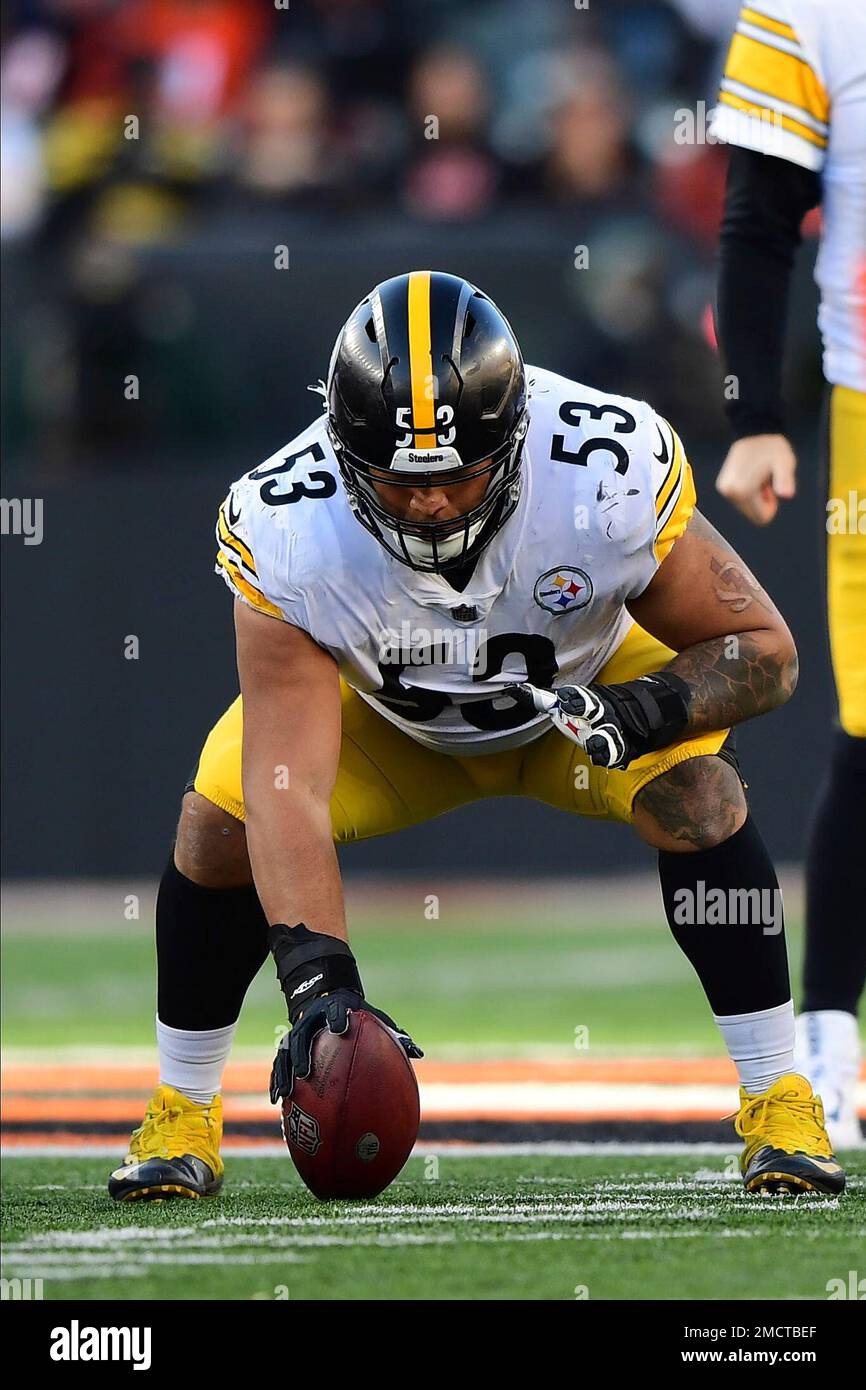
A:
(555, 1100)
(120, 1055)
(284, 1232)
(82, 1265)
(131, 1252)
(564, 1149)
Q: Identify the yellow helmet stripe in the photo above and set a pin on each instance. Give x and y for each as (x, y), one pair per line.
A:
(421, 360)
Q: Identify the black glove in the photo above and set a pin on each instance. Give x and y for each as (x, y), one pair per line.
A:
(319, 976)
(614, 724)
(331, 1011)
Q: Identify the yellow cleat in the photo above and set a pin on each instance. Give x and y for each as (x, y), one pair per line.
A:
(786, 1144)
(174, 1152)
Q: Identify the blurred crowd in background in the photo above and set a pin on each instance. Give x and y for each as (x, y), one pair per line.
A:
(140, 132)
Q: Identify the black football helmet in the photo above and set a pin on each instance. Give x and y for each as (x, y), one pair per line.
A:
(427, 386)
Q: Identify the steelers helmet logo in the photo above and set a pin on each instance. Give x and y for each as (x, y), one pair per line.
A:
(563, 590)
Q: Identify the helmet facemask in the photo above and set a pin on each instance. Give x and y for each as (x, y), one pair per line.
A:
(432, 546)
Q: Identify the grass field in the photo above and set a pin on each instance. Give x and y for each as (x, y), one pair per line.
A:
(506, 972)
(500, 975)
(523, 1227)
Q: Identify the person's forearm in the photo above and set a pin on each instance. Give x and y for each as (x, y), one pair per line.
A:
(735, 678)
(766, 199)
(294, 861)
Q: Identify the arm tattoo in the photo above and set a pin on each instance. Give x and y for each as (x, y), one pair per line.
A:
(736, 587)
(734, 678)
(749, 667)
(737, 676)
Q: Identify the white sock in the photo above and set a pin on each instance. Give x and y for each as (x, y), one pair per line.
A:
(193, 1063)
(761, 1045)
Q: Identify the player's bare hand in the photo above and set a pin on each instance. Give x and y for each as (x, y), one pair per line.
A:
(758, 473)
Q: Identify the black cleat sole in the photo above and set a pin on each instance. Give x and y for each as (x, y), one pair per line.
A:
(788, 1184)
(157, 1180)
(158, 1194)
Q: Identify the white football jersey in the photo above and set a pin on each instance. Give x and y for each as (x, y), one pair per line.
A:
(606, 491)
(795, 87)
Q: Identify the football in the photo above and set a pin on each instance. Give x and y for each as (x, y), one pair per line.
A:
(351, 1124)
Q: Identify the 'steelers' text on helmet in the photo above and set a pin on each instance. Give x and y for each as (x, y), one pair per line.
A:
(427, 385)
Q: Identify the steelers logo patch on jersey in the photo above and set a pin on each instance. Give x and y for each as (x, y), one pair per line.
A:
(563, 590)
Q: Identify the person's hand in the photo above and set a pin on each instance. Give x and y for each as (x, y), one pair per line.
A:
(331, 1011)
(758, 473)
(614, 724)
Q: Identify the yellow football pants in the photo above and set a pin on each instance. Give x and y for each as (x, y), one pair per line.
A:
(386, 781)
(846, 555)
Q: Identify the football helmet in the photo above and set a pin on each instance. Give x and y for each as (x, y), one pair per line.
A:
(427, 388)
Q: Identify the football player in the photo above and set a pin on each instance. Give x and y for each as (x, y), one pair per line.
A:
(793, 110)
(609, 639)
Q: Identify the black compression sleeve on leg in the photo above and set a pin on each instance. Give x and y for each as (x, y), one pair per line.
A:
(725, 911)
(210, 944)
(834, 972)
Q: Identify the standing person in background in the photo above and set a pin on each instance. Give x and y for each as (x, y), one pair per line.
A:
(792, 107)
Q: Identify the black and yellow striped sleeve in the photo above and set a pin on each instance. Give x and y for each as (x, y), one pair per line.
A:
(236, 564)
(772, 98)
(674, 490)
